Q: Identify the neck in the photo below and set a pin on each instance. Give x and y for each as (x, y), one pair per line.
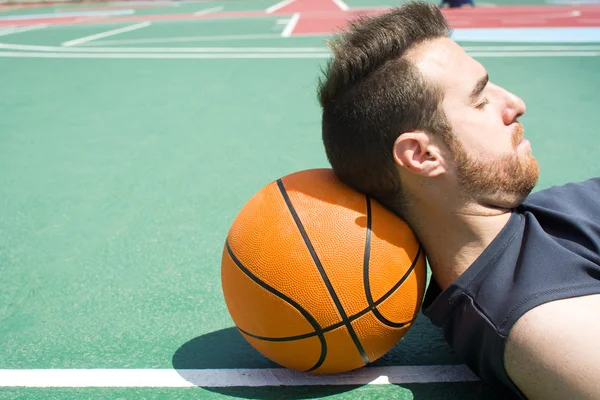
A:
(453, 239)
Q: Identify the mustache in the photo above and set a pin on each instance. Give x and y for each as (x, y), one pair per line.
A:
(518, 135)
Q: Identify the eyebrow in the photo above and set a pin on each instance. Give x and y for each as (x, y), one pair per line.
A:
(479, 88)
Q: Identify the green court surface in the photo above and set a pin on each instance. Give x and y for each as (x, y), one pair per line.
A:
(120, 177)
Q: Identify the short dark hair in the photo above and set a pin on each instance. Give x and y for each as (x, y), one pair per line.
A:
(371, 93)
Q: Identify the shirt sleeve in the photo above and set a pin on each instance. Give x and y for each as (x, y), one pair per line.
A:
(580, 199)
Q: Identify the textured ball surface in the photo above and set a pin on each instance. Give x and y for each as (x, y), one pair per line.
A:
(320, 278)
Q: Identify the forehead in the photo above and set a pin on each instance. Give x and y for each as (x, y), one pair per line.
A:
(444, 62)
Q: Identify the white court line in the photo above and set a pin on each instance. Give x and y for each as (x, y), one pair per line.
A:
(193, 39)
(187, 39)
(27, 47)
(19, 30)
(530, 48)
(289, 28)
(21, 54)
(537, 54)
(279, 5)
(123, 4)
(144, 3)
(171, 378)
(165, 56)
(273, 49)
(540, 17)
(7, 31)
(573, 2)
(67, 14)
(341, 5)
(105, 34)
(209, 10)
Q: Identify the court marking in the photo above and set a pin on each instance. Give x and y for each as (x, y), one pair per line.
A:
(165, 56)
(12, 31)
(531, 35)
(27, 47)
(149, 3)
(573, 2)
(530, 48)
(516, 35)
(267, 55)
(100, 35)
(536, 54)
(33, 17)
(112, 6)
(501, 50)
(279, 5)
(343, 6)
(484, 17)
(209, 10)
(70, 21)
(184, 39)
(33, 51)
(171, 378)
(291, 25)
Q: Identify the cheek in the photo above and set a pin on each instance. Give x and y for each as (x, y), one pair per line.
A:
(482, 136)
(482, 133)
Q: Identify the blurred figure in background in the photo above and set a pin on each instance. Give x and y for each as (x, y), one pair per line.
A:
(457, 3)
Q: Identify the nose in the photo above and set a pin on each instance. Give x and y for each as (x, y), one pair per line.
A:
(515, 107)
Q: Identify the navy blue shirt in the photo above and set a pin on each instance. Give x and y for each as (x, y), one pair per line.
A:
(548, 250)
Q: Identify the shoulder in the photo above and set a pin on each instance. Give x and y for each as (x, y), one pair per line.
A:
(550, 352)
(583, 193)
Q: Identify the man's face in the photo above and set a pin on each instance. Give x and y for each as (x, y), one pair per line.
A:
(492, 161)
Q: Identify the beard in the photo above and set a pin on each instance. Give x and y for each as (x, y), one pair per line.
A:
(505, 181)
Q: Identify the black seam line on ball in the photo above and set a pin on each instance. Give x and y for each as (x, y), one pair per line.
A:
(311, 320)
(367, 256)
(353, 317)
(319, 266)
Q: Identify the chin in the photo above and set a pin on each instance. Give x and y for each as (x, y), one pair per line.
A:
(515, 201)
(509, 197)
(514, 198)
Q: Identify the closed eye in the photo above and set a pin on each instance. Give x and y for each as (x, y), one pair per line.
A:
(478, 89)
(483, 103)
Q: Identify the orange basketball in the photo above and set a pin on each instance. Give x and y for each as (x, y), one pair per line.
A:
(320, 278)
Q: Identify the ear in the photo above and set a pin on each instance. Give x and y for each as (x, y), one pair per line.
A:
(417, 153)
